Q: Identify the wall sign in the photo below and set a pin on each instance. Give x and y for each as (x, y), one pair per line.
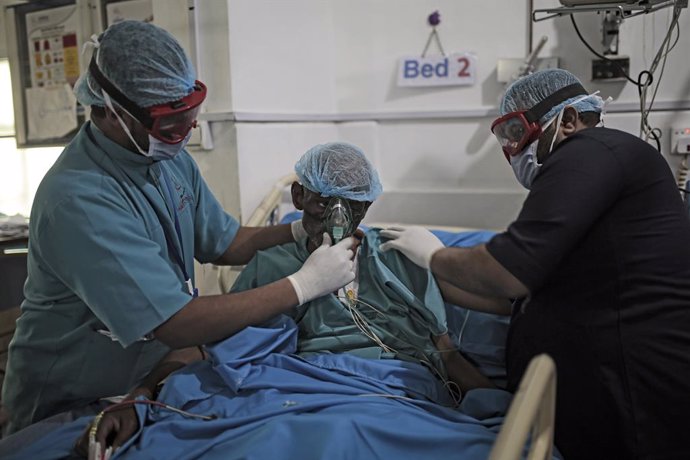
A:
(438, 70)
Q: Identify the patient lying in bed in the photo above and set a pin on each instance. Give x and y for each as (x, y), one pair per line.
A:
(306, 375)
(393, 309)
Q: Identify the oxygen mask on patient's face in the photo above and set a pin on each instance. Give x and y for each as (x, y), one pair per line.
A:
(338, 219)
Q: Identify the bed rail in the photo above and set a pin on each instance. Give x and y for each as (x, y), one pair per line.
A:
(534, 406)
(262, 215)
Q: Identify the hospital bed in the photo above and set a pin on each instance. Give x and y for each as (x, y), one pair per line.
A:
(532, 411)
(291, 400)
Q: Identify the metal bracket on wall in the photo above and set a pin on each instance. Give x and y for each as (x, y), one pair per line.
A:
(626, 10)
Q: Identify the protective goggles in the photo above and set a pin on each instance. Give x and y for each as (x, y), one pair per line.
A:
(169, 122)
(516, 130)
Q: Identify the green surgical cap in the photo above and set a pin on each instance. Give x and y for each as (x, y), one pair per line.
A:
(529, 90)
(143, 61)
(339, 169)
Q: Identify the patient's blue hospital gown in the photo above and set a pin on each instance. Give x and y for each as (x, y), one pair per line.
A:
(400, 301)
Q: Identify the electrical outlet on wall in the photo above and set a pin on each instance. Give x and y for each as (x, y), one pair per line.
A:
(680, 140)
(611, 69)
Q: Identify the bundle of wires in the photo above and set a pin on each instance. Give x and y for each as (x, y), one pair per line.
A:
(645, 78)
(363, 325)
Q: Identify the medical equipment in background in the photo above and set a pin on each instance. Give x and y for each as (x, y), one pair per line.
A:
(627, 9)
(509, 70)
(615, 13)
(338, 219)
(529, 65)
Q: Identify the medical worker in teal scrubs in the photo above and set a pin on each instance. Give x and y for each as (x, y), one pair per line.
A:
(115, 227)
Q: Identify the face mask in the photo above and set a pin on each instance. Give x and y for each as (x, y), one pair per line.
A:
(158, 150)
(338, 219)
(525, 165)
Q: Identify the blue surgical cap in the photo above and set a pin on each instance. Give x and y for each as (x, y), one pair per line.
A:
(339, 169)
(529, 90)
(143, 61)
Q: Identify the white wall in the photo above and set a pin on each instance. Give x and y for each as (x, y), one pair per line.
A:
(300, 70)
(308, 71)
(285, 75)
(281, 56)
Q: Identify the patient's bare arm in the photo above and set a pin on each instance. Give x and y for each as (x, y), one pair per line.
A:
(117, 426)
(459, 370)
(457, 296)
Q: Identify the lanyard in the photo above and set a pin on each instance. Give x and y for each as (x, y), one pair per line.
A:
(179, 256)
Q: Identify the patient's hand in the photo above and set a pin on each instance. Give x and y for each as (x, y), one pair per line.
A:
(358, 237)
(459, 370)
(115, 427)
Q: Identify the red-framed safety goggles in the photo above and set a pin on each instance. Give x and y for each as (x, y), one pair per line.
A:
(516, 130)
(169, 122)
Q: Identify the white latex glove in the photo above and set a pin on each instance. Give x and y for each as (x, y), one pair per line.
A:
(326, 270)
(298, 231)
(417, 243)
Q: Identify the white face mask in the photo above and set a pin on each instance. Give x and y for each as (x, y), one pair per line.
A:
(525, 164)
(158, 150)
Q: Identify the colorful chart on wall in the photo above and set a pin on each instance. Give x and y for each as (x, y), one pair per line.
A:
(51, 108)
(52, 37)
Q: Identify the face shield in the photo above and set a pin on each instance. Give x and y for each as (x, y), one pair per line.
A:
(516, 130)
(169, 122)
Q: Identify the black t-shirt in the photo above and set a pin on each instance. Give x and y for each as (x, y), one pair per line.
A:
(603, 244)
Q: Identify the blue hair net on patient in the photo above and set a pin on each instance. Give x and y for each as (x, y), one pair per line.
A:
(339, 169)
(529, 90)
(143, 61)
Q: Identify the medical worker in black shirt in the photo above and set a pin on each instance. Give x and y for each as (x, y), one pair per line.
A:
(600, 258)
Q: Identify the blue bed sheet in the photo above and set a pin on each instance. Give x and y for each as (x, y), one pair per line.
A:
(272, 404)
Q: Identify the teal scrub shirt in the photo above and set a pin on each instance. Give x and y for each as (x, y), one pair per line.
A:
(408, 300)
(99, 261)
